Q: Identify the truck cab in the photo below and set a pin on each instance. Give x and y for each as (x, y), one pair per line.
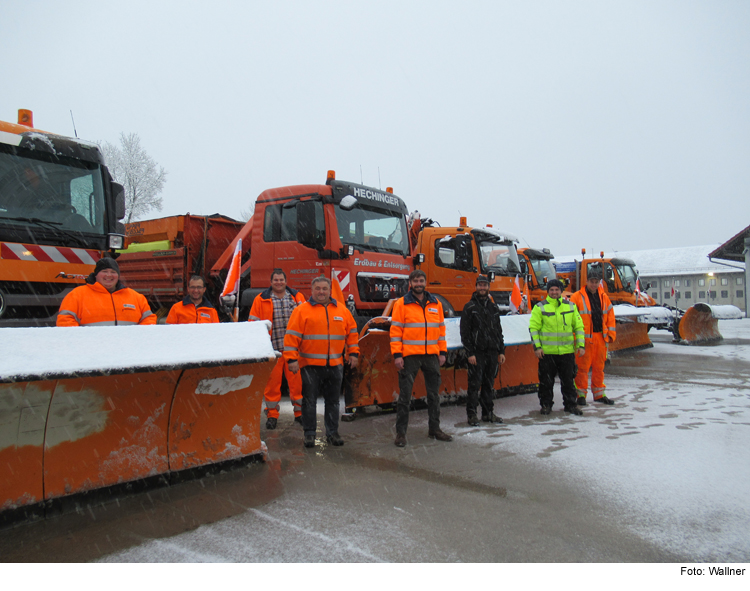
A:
(342, 230)
(537, 267)
(455, 256)
(59, 210)
(619, 278)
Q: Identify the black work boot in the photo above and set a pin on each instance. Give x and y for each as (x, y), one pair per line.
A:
(491, 418)
(574, 410)
(271, 423)
(545, 410)
(439, 435)
(473, 420)
(335, 439)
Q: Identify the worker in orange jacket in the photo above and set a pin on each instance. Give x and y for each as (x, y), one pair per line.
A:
(598, 317)
(276, 305)
(195, 308)
(320, 333)
(418, 342)
(104, 301)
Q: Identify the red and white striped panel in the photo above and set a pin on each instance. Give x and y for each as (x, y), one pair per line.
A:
(47, 254)
(343, 277)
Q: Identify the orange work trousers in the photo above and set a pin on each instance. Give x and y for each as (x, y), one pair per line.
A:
(272, 393)
(593, 360)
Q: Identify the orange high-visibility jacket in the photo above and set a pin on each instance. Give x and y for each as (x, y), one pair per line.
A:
(318, 334)
(93, 305)
(581, 300)
(185, 312)
(416, 330)
(262, 308)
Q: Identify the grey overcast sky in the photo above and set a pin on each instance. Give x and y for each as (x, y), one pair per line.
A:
(600, 124)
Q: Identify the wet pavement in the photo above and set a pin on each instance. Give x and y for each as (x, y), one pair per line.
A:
(472, 499)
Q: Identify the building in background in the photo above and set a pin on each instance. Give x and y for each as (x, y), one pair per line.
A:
(684, 276)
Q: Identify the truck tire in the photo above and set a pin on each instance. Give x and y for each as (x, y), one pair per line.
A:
(448, 310)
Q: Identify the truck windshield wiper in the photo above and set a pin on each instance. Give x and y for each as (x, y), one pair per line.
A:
(50, 226)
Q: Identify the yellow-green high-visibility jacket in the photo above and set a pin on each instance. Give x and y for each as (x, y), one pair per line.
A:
(556, 327)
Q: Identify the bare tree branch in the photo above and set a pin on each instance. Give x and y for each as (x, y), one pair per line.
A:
(141, 176)
(246, 214)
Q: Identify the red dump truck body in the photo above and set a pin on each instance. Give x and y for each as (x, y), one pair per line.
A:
(164, 253)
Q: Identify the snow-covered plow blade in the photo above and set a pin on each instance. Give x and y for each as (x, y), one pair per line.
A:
(375, 381)
(700, 323)
(88, 408)
(632, 324)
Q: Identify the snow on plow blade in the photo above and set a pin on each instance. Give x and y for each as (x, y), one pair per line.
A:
(700, 324)
(375, 381)
(87, 408)
(632, 325)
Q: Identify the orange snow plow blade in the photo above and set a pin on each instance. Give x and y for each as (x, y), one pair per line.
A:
(631, 336)
(92, 425)
(698, 325)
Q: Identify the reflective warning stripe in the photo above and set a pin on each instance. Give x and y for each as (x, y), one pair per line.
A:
(48, 254)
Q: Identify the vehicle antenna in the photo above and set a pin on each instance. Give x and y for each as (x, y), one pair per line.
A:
(361, 180)
(380, 186)
(74, 123)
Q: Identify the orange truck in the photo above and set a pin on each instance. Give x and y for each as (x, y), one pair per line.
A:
(342, 230)
(620, 279)
(453, 257)
(537, 268)
(164, 253)
(59, 212)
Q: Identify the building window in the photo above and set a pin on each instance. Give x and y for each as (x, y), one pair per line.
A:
(688, 295)
(666, 295)
(701, 283)
(701, 295)
(739, 280)
(712, 294)
(687, 283)
(725, 281)
(713, 282)
(665, 283)
(655, 295)
(740, 294)
(724, 293)
(677, 283)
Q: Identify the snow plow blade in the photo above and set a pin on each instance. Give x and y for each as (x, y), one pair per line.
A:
(375, 382)
(631, 336)
(700, 323)
(74, 418)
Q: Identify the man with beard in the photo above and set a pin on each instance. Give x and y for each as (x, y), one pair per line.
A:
(482, 338)
(418, 342)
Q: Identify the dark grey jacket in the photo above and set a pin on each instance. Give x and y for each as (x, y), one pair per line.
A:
(481, 330)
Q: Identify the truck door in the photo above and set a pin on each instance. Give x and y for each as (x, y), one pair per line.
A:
(297, 231)
(455, 272)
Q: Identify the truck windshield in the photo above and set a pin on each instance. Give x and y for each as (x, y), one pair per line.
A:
(628, 276)
(377, 230)
(500, 257)
(543, 270)
(62, 193)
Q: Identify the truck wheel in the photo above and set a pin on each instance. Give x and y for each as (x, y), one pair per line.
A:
(448, 310)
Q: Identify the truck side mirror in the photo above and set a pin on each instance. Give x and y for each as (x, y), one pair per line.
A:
(419, 259)
(118, 194)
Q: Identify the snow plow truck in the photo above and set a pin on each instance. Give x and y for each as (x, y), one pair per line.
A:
(636, 312)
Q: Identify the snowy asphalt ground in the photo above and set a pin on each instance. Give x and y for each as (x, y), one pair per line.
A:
(661, 476)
